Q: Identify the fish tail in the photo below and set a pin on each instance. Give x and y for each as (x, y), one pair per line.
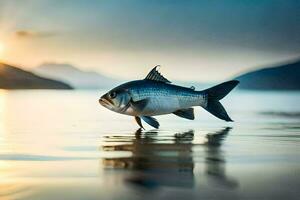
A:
(214, 95)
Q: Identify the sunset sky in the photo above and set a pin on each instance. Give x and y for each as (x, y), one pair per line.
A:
(193, 40)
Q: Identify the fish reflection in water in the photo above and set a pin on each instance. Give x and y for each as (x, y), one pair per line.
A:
(159, 159)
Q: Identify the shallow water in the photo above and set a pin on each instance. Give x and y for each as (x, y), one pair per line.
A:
(64, 145)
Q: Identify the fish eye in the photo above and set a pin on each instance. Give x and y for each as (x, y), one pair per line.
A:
(112, 95)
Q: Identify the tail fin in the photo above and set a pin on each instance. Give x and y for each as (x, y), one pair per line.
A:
(216, 93)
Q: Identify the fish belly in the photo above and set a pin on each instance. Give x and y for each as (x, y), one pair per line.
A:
(161, 106)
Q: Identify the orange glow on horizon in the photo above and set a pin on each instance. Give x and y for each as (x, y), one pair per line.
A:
(1, 50)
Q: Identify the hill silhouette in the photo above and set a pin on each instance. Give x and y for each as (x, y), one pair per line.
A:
(12, 77)
(281, 77)
(72, 75)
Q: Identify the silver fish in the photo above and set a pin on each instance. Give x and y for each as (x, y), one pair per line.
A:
(155, 95)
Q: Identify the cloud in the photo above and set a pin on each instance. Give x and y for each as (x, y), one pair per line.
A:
(34, 34)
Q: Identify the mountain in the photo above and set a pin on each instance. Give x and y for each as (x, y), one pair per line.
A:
(282, 77)
(74, 76)
(14, 78)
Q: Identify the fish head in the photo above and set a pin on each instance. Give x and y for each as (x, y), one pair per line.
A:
(116, 100)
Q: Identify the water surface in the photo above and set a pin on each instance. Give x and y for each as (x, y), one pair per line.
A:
(64, 145)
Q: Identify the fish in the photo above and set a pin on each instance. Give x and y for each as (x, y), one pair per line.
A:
(155, 95)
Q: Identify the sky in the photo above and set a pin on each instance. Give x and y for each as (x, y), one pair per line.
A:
(192, 40)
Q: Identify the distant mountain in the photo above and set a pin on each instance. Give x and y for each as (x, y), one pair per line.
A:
(74, 76)
(283, 77)
(14, 78)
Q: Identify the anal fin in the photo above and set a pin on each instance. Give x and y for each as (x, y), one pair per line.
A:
(185, 113)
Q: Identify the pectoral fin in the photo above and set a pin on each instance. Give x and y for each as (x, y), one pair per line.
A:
(185, 113)
(139, 105)
(138, 121)
(151, 121)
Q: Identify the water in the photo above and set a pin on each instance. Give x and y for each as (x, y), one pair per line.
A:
(64, 145)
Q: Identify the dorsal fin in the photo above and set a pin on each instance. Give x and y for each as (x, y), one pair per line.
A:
(154, 75)
(192, 87)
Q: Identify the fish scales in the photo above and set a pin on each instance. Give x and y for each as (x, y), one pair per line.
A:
(155, 95)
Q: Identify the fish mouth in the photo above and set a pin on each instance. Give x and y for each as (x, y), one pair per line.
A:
(104, 102)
